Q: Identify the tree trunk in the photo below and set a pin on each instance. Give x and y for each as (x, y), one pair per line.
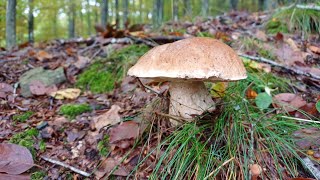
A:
(104, 13)
(157, 12)
(117, 14)
(11, 24)
(30, 22)
(125, 12)
(140, 11)
(262, 5)
(234, 4)
(72, 19)
(88, 18)
(205, 8)
(187, 10)
(175, 10)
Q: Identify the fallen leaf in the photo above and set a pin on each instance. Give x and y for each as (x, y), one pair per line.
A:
(81, 62)
(70, 93)
(14, 159)
(314, 49)
(263, 100)
(4, 87)
(124, 131)
(292, 44)
(310, 109)
(261, 35)
(13, 177)
(288, 101)
(108, 165)
(251, 94)
(111, 117)
(218, 89)
(37, 88)
(41, 55)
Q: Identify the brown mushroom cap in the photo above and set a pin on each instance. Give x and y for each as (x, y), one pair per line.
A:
(197, 58)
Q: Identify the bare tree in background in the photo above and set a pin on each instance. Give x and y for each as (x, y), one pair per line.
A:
(104, 13)
(30, 22)
(88, 17)
(125, 11)
(187, 10)
(157, 14)
(205, 8)
(117, 14)
(72, 19)
(175, 10)
(140, 11)
(11, 23)
(234, 4)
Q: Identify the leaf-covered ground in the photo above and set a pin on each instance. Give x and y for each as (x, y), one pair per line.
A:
(90, 116)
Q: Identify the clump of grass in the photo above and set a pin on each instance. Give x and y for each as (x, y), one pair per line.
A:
(242, 135)
(204, 34)
(101, 76)
(103, 145)
(38, 175)
(294, 19)
(252, 44)
(26, 139)
(22, 117)
(72, 110)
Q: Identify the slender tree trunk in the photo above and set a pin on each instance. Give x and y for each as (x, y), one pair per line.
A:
(234, 4)
(262, 5)
(205, 8)
(187, 10)
(125, 12)
(157, 12)
(117, 14)
(88, 18)
(175, 10)
(30, 22)
(11, 24)
(72, 19)
(104, 13)
(140, 11)
(55, 25)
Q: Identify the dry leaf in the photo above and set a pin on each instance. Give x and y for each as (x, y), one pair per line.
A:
(108, 165)
(251, 94)
(314, 49)
(261, 35)
(111, 117)
(82, 62)
(288, 101)
(292, 44)
(41, 55)
(38, 88)
(13, 177)
(70, 93)
(124, 131)
(14, 159)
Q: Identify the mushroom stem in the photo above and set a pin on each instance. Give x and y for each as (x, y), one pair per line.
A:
(189, 98)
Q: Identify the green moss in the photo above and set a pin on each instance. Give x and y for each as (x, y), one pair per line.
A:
(42, 146)
(101, 76)
(38, 175)
(103, 146)
(26, 139)
(72, 110)
(23, 117)
(293, 20)
(204, 34)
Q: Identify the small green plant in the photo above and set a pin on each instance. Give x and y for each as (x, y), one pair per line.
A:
(102, 75)
(72, 110)
(103, 145)
(252, 44)
(42, 146)
(293, 19)
(38, 175)
(26, 139)
(22, 117)
(204, 34)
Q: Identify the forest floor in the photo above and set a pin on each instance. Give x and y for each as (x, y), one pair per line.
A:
(91, 120)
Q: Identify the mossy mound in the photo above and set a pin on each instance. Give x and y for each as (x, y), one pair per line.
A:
(26, 139)
(72, 110)
(22, 117)
(101, 76)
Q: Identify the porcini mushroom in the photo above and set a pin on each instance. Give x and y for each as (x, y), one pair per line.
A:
(187, 64)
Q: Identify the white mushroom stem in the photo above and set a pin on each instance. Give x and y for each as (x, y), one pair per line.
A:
(189, 98)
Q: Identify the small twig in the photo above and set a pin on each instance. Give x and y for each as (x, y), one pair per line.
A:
(66, 166)
(144, 87)
(96, 53)
(300, 119)
(273, 63)
(217, 169)
(311, 167)
(309, 6)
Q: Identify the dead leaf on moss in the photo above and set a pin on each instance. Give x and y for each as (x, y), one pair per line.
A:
(288, 101)
(14, 159)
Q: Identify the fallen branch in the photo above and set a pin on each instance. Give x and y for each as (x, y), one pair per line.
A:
(273, 63)
(66, 166)
(309, 6)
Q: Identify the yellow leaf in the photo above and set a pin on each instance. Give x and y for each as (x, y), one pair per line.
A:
(69, 93)
(218, 89)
